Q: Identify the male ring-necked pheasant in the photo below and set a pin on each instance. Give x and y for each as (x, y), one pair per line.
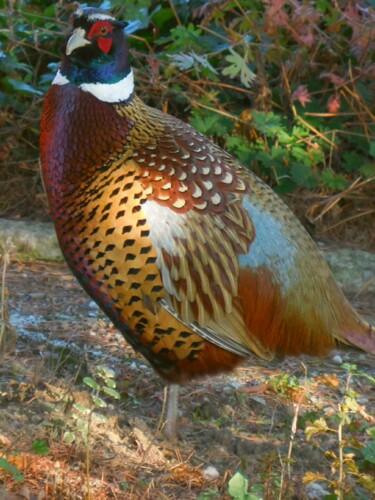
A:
(195, 260)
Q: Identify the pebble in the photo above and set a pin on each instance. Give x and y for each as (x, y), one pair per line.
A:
(316, 491)
(135, 365)
(362, 401)
(235, 384)
(337, 359)
(211, 473)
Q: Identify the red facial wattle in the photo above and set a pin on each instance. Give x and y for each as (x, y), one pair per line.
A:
(105, 44)
(101, 30)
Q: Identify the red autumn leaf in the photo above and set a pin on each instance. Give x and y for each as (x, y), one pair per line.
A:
(275, 16)
(302, 95)
(308, 38)
(303, 23)
(334, 104)
(336, 80)
(362, 23)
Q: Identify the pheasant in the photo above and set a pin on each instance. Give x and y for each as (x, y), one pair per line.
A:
(195, 260)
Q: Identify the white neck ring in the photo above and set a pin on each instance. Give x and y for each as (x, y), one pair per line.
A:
(106, 92)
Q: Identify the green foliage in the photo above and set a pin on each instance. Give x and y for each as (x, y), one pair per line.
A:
(11, 469)
(209, 494)
(352, 457)
(40, 447)
(238, 489)
(287, 90)
(238, 66)
(284, 383)
(83, 415)
(369, 452)
(184, 38)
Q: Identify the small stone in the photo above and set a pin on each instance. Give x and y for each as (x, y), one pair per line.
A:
(329, 411)
(337, 359)
(211, 473)
(235, 384)
(362, 401)
(316, 491)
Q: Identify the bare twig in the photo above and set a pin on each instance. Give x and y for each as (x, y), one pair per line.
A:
(4, 321)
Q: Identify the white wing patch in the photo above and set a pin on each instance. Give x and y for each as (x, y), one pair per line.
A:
(166, 225)
(271, 247)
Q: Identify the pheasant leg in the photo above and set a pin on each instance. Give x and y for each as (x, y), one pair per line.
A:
(170, 428)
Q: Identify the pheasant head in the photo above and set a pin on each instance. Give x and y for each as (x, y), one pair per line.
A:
(95, 56)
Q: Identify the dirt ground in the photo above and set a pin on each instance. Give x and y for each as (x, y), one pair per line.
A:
(256, 421)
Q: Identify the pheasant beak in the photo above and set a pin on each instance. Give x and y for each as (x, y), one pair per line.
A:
(76, 40)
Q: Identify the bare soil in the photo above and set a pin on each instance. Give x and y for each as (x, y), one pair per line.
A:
(238, 422)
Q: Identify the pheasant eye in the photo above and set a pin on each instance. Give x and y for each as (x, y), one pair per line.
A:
(100, 28)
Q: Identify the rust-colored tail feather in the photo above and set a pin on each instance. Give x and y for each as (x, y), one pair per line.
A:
(292, 326)
(361, 334)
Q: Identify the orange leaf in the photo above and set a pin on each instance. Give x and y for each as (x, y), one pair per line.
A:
(334, 104)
